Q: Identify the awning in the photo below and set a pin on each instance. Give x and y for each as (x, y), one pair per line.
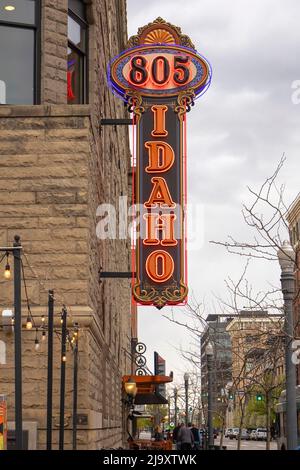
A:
(146, 388)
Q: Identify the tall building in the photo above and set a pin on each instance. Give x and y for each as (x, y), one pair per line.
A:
(293, 219)
(216, 334)
(257, 342)
(58, 166)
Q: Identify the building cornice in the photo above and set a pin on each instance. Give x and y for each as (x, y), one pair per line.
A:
(293, 212)
(33, 111)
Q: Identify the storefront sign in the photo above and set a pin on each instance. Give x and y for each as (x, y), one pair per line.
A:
(3, 423)
(159, 76)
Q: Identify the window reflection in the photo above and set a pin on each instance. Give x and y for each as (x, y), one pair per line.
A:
(74, 77)
(75, 32)
(24, 11)
(77, 53)
(18, 30)
(17, 65)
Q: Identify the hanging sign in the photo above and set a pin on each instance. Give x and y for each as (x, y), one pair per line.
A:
(159, 76)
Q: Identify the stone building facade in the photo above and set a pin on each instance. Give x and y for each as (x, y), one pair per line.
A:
(57, 165)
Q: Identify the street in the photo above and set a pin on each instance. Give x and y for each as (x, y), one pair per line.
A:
(246, 445)
(230, 443)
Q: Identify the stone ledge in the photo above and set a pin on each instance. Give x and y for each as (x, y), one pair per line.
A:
(13, 111)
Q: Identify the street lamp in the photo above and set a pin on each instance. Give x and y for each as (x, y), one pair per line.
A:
(175, 405)
(209, 356)
(130, 390)
(16, 251)
(286, 258)
(186, 386)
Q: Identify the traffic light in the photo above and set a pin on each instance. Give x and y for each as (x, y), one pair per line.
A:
(231, 396)
(259, 397)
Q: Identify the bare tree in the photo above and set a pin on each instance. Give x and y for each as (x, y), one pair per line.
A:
(266, 218)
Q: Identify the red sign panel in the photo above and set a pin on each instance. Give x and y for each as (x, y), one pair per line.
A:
(160, 71)
(159, 77)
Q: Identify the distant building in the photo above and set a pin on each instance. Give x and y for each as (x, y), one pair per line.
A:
(257, 343)
(293, 218)
(216, 334)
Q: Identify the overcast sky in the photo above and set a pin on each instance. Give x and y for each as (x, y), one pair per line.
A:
(237, 133)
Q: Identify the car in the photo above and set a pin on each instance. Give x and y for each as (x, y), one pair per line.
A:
(227, 432)
(244, 435)
(252, 435)
(261, 434)
(233, 433)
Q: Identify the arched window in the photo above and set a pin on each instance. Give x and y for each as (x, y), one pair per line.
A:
(19, 41)
(77, 52)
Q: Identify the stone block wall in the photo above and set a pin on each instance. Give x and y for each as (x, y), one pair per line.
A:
(57, 165)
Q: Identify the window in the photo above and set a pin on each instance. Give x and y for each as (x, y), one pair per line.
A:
(19, 39)
(77, 53)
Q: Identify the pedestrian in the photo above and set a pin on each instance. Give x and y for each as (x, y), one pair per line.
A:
(196, 436)
(186, 438)
(158, 434)
(175, 435)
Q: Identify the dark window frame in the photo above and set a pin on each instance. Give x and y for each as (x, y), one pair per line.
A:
(36, 28)
(83, 53)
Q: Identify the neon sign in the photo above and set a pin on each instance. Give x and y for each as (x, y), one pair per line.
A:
(159, 76)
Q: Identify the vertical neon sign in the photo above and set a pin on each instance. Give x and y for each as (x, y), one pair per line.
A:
(159, 75)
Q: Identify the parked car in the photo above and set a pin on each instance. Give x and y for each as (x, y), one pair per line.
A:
(227, 432)
(252, 435)
(234, 432)
(244, 435)
(261, 434)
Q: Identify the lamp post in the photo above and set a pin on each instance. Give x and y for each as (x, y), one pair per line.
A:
(62, 379)
(16, 251)
(286, 258)
(130, 388)
(186, 386)
(175, 405)
(75, 388)
(50, 368)
(209, 356)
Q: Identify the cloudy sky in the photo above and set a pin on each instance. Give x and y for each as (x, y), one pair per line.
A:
(237, 133)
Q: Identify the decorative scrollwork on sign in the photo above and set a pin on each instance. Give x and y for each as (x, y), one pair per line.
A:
(134, 103)
(142, 294)
(160, 31)
(185, 101)
(175, 293)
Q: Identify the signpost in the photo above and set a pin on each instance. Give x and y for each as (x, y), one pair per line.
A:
(159, 76)
(140, 360)
(160, 369)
